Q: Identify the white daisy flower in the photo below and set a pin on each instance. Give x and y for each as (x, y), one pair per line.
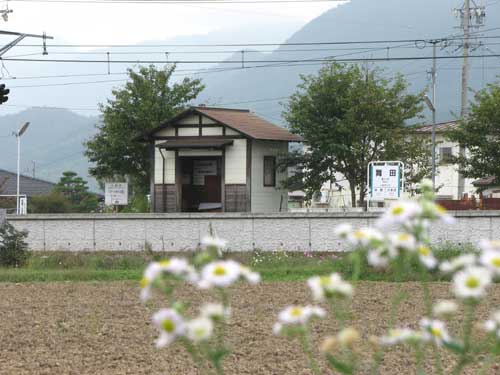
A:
(400, 335)
(249, 275)
(212, 242)
(378, 258)
(277, 327)
(170, 324)
(471, 282)
(152, 271)
(444, 308)
(199, 329)
(426, 257)
(300, 314)
(442, 214)
(488, 245)
(493, 324)
(215, 311)
(329, 286)
(220, 274)
(491, 260)
(403, 241)
(435, 330)
(462, 261)
(342, 231)
(399, 213)
(364, 236)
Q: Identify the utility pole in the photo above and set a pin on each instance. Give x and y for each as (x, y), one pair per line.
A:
(470, 17)
(434, 73)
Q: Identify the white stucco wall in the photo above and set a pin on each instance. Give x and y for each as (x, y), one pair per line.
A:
(169, 166)
(211, 131)
(188, 132)
(264, 198)
(236, 162)
(244, 231)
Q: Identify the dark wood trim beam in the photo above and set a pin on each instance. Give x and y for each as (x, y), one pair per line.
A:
(152, 171)
(178, 183)
(189, 137)
(200, 122)
(249, 176)
(223, 180)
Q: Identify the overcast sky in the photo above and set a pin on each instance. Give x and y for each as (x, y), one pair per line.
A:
(133, 23)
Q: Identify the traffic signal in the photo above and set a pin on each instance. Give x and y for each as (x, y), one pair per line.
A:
(3, 93)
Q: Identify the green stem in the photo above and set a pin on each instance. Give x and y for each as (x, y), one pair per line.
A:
(197, 359)
(470, 308)
(305, 342)
(419, 358)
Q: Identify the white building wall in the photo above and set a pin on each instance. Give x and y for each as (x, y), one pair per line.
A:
(188, 132)
(236, 162)
(211, 131)
(169, 166)
(264, 198)
(190, 120)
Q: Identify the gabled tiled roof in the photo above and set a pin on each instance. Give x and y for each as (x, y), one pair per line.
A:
(241, 120)
(27, 185)
(440, 127)
(484, 181)
(249, 123)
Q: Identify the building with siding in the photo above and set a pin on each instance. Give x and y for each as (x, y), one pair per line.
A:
(217, 159)
(28, 186)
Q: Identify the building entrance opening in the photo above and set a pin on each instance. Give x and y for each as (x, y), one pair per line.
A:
(201, 184)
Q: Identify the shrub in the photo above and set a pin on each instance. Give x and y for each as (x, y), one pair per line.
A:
(53, 203)
(13, 249)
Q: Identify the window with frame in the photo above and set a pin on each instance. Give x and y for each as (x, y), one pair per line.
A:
(445, 155)
(269, 170)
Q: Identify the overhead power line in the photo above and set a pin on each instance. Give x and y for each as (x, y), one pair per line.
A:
(176, 1)
(314, 43)
(333, 59)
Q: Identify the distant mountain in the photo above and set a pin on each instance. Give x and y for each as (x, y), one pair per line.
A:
(51, 145)
(55, 139)
(362, 20)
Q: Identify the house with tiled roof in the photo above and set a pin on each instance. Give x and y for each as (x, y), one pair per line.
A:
(28, 185)
(451, 184)
(217, 159)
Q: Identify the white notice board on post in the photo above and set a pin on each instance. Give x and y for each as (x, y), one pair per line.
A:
(116, 194)
(385, 180)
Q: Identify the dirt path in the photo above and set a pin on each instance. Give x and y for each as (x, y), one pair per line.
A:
(101, 328)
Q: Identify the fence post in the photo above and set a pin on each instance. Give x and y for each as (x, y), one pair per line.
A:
(3, 216)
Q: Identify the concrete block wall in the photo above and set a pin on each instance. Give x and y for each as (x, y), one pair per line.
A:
(243, 231)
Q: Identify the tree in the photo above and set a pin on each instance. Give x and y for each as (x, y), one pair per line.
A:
(147, 100)
(479, 134)
(75, 189)
(349, 116)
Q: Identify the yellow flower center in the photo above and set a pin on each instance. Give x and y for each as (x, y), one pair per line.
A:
(404, 237)
(199, 332)
(219, 271)
(144, 283)
(324, 281)
(472, 282)
(296, 311)
(168, 325)
(398, 210)
(424, 251)
(436, 332)
(359, 234)
(440, 209)
(165, 263)
(496, 261)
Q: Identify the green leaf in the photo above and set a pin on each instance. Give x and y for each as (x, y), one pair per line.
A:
(454, 347)
(344, 368)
